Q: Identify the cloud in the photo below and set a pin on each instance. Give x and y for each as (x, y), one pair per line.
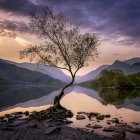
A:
(112, 18)
(7, 33)
(21, 27)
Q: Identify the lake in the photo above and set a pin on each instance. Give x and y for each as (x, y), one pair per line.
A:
(123, 104)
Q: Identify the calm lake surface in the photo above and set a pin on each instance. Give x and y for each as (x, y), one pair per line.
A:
(123, 104)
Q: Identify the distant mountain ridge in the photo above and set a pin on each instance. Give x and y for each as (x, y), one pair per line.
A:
(16, 75)
(55, 73)
(127, 66)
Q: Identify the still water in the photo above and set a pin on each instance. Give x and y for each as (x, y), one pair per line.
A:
(123, 104)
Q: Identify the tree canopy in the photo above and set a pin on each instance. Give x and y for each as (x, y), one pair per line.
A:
(65, 46)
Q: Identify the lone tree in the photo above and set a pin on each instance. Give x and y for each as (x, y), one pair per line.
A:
(65, 47)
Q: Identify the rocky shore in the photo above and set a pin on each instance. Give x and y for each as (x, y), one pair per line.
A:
(52, 124)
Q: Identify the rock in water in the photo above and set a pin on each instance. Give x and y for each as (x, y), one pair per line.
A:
(109, 129)
(52, 129)
(80, 117)
(96, 126)
(116, 120)
(107, 116)
(100, 117)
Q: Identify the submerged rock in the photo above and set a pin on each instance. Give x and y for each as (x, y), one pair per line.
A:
(100, 117)
(107, 116)
(115, 120)
(108, 122)
(135, 123)
(80, 117)
(109, 129)
(92, 115)
(96, 126)
(84, 113)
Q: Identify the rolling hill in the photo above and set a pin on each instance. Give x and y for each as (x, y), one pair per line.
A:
(16, 75)
(127, 66)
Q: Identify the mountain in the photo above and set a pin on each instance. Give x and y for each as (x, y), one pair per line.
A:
(16, 75)
(132, 61)
(134, 68)
(55, 73)
(90, 76)
(51, 71)
(127, 66)
(119, 65)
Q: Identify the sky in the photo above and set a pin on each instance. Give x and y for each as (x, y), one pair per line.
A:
(116, 23)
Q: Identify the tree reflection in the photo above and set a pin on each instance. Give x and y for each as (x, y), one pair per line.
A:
(117, 96)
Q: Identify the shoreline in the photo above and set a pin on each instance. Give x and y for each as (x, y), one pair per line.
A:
(20, 126)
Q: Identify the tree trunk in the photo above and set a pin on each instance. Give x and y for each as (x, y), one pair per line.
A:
(58, 98)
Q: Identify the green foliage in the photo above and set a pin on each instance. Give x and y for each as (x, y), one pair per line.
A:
(135, 78)
(114, 78)
(117, 96)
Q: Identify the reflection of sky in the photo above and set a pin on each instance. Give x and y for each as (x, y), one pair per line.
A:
(81, 99)
(116, 23)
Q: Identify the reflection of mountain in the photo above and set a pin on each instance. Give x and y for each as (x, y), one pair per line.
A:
(133, 104)
(10, 96)
(121, 99)
(49, 98)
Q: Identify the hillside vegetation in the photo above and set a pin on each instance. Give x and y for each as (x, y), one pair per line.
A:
(116, 79)
(11, 74)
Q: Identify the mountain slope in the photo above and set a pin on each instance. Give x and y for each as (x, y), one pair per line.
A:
(55, 73)
(127, 66)
(119, 65)
(90, 76)
(134, 68)
(132, 61)
(17, 75)
(51, 71)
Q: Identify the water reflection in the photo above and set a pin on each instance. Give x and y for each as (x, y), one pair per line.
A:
(121, 98)
(123, 104)
(34, 96)
(11, 95)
